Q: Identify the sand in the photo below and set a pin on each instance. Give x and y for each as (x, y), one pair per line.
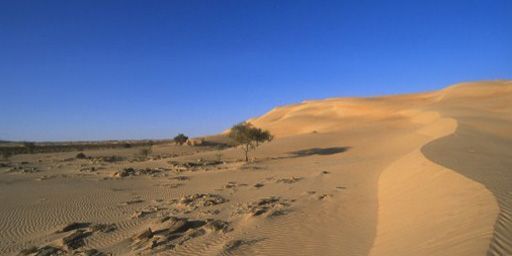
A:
(419, 174)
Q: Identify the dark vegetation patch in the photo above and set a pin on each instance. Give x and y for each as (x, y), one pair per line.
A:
(52, 147)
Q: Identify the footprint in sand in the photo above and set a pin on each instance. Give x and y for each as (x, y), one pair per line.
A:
(324, 196)
(180, 178)
(233, 185)
(290, 180)
(270, 206)
(259, 185)
(235, 245)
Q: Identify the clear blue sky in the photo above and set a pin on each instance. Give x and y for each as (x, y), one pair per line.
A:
(80, 70)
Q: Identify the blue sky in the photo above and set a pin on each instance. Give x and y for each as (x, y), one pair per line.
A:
(82, 70)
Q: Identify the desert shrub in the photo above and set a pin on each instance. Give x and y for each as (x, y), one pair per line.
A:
(145, 152)
(30, 147)
(6, 154)
(111, 159)
(249, 137)
(81, 156)
(180, 139)
(218, 156)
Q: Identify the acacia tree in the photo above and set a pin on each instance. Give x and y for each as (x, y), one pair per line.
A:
(249, 137)
(180, 139)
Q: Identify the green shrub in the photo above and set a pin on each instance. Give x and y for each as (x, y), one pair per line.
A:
(180, 139)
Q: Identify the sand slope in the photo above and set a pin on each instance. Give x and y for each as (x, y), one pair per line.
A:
(451, 194)
(419, 174)
(480, 147)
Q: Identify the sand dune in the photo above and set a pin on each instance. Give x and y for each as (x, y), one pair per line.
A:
(419, 174)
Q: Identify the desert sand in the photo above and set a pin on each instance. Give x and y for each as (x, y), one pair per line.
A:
(419, 174)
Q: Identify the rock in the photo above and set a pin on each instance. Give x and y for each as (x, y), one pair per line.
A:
(134, 201)
(181, 178)
(258, 185)
(105, 228)
(146, 234)
(75, 239)
(124, 172)
(136, 172)
(88, 252)
(289, 180)
(88, 169)
(29, 250)
(48, 251)
(233, 245)
(195, 142)
(186, 225)
(266, 205)
(167, 224)
(324, 196)
(139, 214)
(234, 185)
(21, 169)
(201, 200)
(166, 233)
(74, 225)
(108, 159)
(199, 164)
(218, 226)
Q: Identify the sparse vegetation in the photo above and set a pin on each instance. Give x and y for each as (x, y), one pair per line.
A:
(180, 139)
(218, 156)
(30, 147)
(249, 137)
(6, 155)
(51, 147)
(145, 152)
(109, 159)
(81, 156)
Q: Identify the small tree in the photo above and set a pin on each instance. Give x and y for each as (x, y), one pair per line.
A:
(180, 139)
(249, 137)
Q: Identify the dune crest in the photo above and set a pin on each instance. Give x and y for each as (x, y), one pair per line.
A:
(418, 212)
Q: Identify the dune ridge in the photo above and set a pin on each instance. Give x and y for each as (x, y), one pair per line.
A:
(418, 214)
(480, 148)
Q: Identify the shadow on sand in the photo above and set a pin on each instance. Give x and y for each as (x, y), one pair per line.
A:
(309, 152)
(319, 151)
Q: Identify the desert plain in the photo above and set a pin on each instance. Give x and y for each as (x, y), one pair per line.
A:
(419, 174)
